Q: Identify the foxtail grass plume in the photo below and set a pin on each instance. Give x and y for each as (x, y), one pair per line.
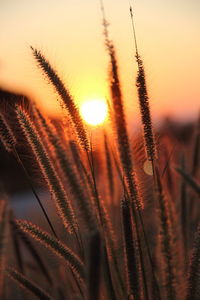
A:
(7, 137)
(32, 250)
(67, 100)
(57, 247)
(143, 97)
(56, 188)
(28, 285)
(119, 120)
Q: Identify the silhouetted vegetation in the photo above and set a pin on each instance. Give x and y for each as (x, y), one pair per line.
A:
(123, 213)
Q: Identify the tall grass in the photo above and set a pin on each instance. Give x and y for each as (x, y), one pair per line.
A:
(112, 239)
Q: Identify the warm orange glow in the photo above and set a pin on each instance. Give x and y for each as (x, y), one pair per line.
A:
(81, 61)
(94, 111)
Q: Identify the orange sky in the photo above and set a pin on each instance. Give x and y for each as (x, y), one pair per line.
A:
(69, 33)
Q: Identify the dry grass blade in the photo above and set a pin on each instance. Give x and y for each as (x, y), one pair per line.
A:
(109, 167)
(111, 294)
(84, 174)
(67, 100)
(110, 241)
(16, 245)
(94, 266)
(191, 182)
(166, 260)
(185, 208)
(58, 248)
(28, 285)
(56, 188)
(29, 181)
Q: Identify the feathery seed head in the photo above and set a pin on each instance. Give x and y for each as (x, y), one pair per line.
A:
(6, 135)
(120, 121)
(67, 102)
(149, 139)
(57, 247)
(56, 188)
(27, 284)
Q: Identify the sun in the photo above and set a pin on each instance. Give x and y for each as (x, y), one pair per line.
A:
(94, 111)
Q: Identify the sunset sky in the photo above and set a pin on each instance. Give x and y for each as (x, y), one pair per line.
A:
(69, 33)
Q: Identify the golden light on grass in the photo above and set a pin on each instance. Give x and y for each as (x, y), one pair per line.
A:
(94, 111)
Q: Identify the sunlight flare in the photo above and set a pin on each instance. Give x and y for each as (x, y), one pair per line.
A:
(94, 111)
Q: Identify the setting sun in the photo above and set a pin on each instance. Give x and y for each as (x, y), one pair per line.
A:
(94, 111)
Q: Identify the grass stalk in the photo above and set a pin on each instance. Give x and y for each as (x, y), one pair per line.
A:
(166, 243)
(28, 285)
(132, 266)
